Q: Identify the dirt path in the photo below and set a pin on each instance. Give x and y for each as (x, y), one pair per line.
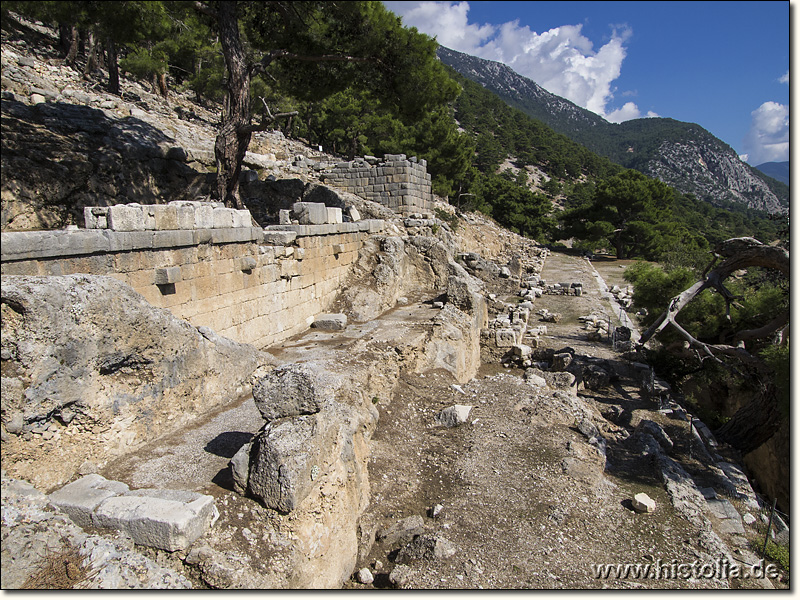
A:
(526, 501)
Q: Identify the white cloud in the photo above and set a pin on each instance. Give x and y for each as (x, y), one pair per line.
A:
(768, 138)
(784, 78)
(561, 60)
(444, 20)
(626, 113)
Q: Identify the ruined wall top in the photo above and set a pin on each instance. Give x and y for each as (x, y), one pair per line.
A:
(400, 183)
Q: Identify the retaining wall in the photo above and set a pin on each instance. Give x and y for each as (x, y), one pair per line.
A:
(255, 286)
(402, 184)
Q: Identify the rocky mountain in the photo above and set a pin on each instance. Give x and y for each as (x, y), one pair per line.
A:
(776, 170)
(684, 155)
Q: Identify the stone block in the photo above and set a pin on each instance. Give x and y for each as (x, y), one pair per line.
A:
(185, 217)
(167, 519)
(242, 218)
(167, 275)
(310, 213)
(123, 217)
(288, 391)
(375, 225)
(334, 215)
(232, 235)
(166, 217)
(174, 238)
(204, 217)
(505, 338)
(353, 213)
(522, 350)
(80, 498)
(222, 218)
(95, 217)
(330, 322)
(285, 217)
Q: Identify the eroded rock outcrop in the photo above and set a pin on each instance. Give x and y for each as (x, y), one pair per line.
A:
(91, 370)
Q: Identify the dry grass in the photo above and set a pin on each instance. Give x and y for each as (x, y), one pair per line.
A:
(59, 569)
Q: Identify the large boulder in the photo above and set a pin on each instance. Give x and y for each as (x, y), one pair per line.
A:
(288, 391)
(286, 459)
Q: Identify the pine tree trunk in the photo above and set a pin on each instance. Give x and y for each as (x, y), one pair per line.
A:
(113, 67)
(91, 60)
(100, 54)
(72, 53)
(64, 37)
(232, 141)
(753, 424)
(162, 85)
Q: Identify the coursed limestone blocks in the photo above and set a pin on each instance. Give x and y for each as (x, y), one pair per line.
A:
(179, 215)
(400, 183)
(167, 519)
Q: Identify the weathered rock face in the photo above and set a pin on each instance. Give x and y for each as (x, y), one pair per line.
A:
(712, 172)
(90, 370)
(84, 156)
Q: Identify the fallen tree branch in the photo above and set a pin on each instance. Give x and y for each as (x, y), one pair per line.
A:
(738, 253)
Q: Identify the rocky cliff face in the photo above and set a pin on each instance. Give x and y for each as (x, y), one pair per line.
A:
(711, 173)
(683, 155)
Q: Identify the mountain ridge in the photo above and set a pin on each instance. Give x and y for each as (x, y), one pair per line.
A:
(683, 155)
(776, 170)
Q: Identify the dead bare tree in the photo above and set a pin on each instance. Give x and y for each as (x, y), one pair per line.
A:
(755, 422)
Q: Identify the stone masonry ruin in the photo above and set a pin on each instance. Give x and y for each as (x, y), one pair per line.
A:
(400, 183)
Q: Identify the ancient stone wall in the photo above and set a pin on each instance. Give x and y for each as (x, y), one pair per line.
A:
(402, 184)
(252, 285)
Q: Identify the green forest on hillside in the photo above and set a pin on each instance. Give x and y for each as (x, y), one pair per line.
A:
(350, 109)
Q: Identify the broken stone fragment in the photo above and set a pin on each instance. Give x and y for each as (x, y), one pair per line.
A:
(167, 519)
(456, 415)
(642, 503)
(330, 322)
(595, 378)
(522, 350)
(283, 460)
(400, 577)
(365, 576)
(80, 498)
(403, 531)
(288, 391)
(240, 468)
(428, 546)
(655, 430)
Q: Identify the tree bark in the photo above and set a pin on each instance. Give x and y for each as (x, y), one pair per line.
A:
(233, 139)
(70, 43)
(113, 67)
(163, 88)
(753, 424)
(91, 59)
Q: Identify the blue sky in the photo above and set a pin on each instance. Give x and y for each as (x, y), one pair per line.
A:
(723, 65)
